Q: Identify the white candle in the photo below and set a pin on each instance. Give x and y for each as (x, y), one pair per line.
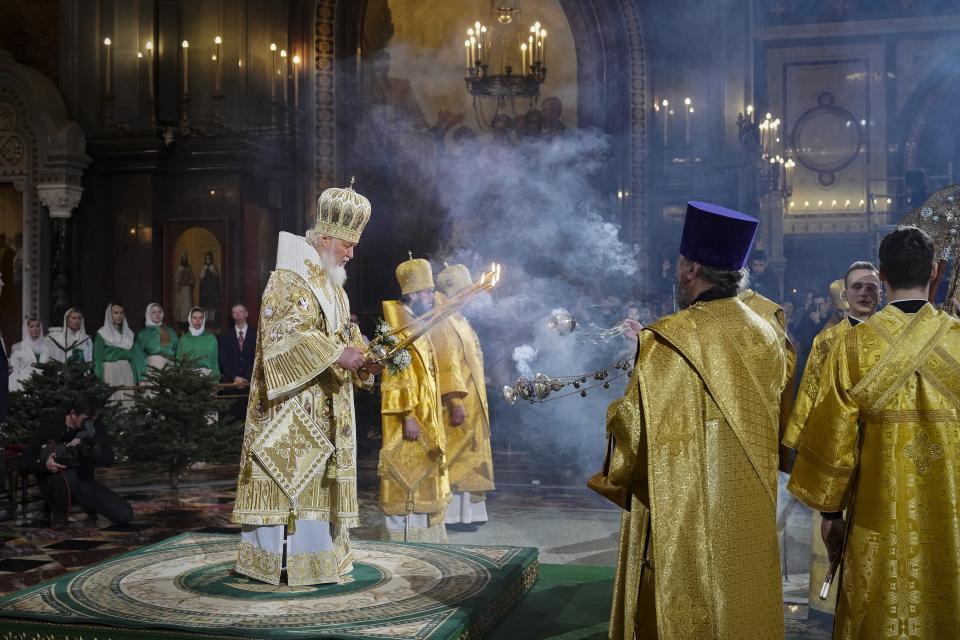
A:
(273, 71)
(543, 47)
(485, 44)
(532, 49)
(284, 68)
(666, 118)
(150, 68)
(216, 85)
(185, 46)
(689, 104)
(466, 48)
(296, 81)
(108, 80)
(523, 58)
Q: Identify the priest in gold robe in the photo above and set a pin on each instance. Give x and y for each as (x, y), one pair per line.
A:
(297, 488)
(695, 445)
(861, 296)
(466, 416)
(414, 485)
(881, 442)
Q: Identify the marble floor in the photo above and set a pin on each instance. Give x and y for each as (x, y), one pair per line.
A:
(570, 525)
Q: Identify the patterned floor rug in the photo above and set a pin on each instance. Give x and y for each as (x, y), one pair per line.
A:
(184, 587)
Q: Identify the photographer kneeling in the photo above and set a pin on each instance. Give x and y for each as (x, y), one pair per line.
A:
(64, 453)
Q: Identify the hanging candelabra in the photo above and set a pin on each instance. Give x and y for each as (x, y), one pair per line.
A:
(505, 64)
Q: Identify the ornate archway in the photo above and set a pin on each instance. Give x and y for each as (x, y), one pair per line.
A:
(611, 85)
(42, 156)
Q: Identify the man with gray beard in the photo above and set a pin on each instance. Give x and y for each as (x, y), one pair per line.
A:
(297, 490)
(695, 446)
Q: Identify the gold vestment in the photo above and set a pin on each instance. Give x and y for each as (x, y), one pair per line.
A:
(883, 441)
(809, 385)
(298, 456)
(460, 364)
(413, 474)
(696, 443)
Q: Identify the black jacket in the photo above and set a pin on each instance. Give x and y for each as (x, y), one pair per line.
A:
(55, 430)
(234, 362)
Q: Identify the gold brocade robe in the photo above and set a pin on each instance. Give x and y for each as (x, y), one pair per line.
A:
(460, 364)
(883, 441)
(298, 457)
(413, 474)
(809, 384)
(696, 443)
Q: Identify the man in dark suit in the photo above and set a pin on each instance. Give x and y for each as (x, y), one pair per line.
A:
(238, 346)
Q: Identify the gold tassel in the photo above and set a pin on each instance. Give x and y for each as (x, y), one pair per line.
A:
(331, 472)
(292, 522)
(409, 505)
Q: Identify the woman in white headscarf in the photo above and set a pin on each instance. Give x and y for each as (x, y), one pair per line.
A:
(113, 352)
(70, 343)
(197, 346)
(25, 355)
(156, 344)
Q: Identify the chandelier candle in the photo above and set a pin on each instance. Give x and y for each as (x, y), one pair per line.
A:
(108, 63)
(273, 71)
(150, 69)
(185, 47)
(217, 79)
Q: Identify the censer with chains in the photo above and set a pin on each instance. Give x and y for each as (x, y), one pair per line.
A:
(543, 388)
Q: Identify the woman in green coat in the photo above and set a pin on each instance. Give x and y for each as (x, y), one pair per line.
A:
(156, 344)
(197, 346)
(113, 352)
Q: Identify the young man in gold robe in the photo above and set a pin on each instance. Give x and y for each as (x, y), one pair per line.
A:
(695, 444)
(414, 486)
(861, 296)
(466, 415)
(882, 442)
(297, 489)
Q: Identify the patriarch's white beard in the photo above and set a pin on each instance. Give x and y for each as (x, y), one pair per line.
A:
(337, 273)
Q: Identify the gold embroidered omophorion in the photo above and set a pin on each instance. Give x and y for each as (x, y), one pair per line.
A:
(886, 414)
(698, 549)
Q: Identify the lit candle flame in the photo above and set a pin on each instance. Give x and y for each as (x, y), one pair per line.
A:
(296, 59)
(107, 42)
(149, 45)
(218, 40)
(185, 44)
(273, 46)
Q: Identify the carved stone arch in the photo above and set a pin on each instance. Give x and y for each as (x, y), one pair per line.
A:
(613, 93)
(42, 155)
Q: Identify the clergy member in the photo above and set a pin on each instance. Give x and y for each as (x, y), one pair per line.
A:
(297, 489)
(466, 417)
(881, 442)
(695, 444)
(113, 352)
(70, 343)
(197, 346)
(861, 295)
(414, 486)
(156, 343)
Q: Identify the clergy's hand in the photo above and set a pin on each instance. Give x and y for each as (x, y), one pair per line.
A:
(411, 429)
(631, 328)
(373, 366)
(832, 532)
(351, 359)
(240, 380)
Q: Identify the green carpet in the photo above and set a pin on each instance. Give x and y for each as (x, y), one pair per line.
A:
(184, 587)
(568, 602)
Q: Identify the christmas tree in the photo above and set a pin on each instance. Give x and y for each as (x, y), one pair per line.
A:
(52, 390)
(179, 422)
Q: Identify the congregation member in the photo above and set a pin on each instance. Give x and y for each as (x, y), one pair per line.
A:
(237, 348)
(198, 347)
(70, 342)
(861, 296)
(113, 352)
(296, 517)
(694, 446)
(156, 344)
(33, 349)
(880, 442)
(466, 415)
(414, 485)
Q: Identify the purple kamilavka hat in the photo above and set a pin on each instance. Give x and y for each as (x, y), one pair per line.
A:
(717, 237)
